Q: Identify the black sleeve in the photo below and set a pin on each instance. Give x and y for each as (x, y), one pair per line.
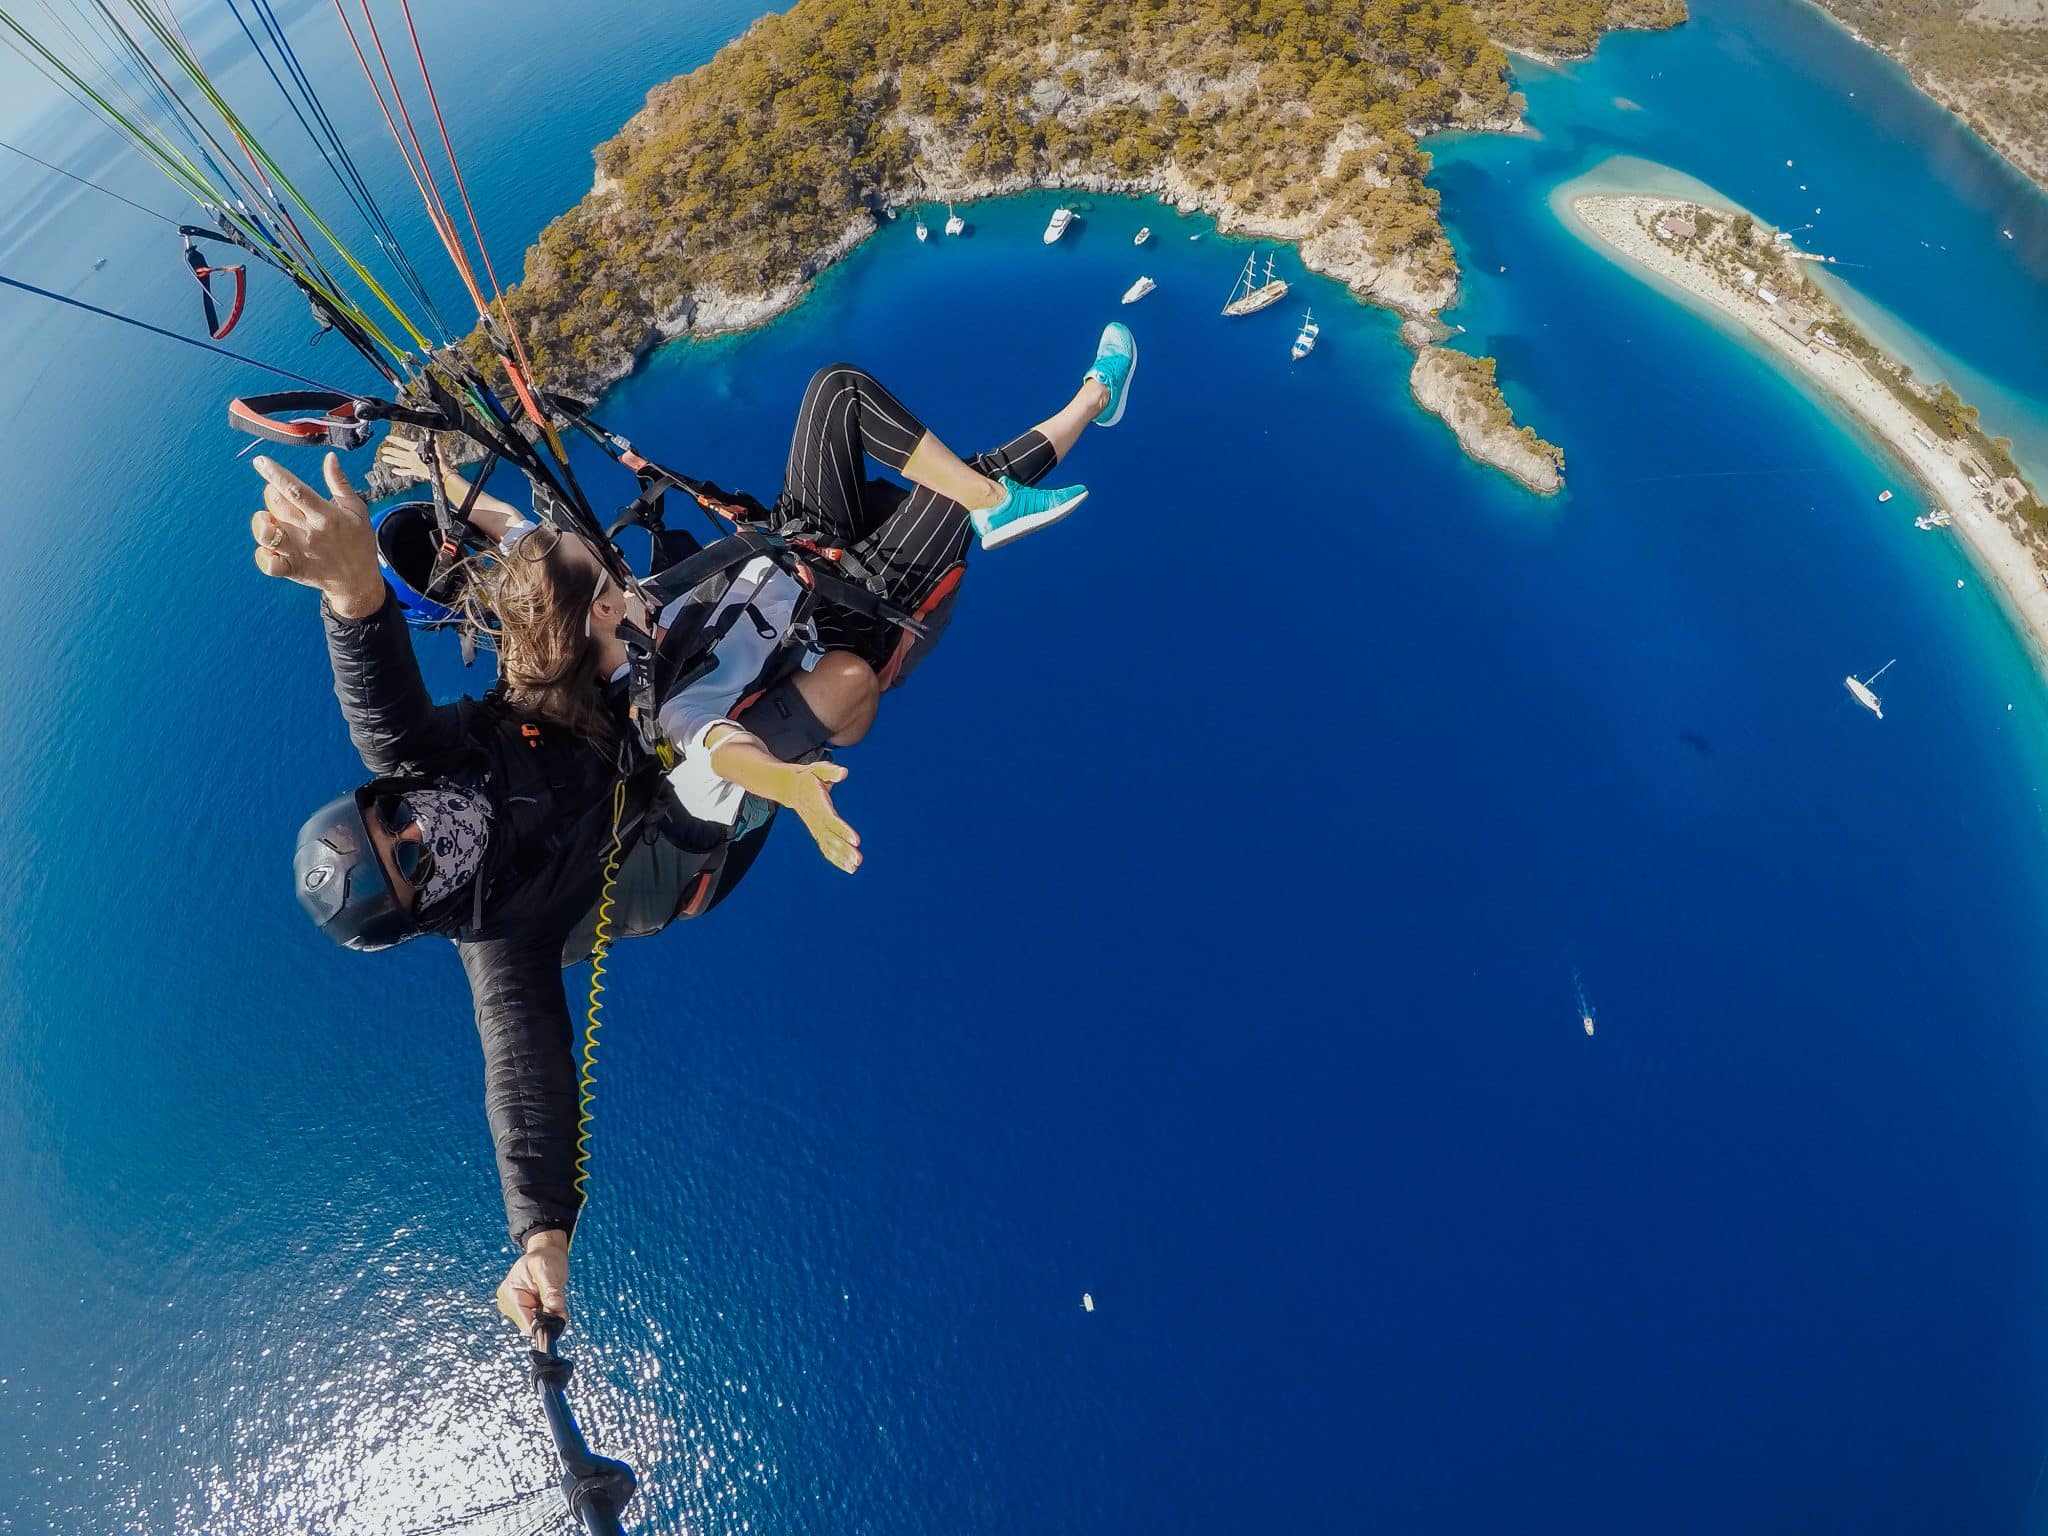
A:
(392, 719)
(530, 1087)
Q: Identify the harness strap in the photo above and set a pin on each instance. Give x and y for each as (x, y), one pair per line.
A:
(643, 695)
(943, 588)
(863, 600)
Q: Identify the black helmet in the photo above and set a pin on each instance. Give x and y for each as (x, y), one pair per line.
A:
(342, 883)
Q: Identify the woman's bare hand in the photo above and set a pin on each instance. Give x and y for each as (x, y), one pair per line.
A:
(401, 456)
(324, 542)
(810, 796)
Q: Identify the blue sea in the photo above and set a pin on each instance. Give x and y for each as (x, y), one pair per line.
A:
(1228, 871)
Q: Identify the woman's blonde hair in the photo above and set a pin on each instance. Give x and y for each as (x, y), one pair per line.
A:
(539, 613)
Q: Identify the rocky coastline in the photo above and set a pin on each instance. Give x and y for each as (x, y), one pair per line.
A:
(1335, 248)
(1461, 390)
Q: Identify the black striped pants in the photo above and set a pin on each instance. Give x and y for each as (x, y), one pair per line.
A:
(909, 537)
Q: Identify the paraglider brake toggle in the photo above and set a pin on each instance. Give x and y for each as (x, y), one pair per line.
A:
(204, 272)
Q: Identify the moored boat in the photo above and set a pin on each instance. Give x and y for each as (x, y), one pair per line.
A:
(922, 232)
(1142, 235)
(1862, 690)
(954, 223)
(1305, 338)
(1250, 296)
(1057, 225)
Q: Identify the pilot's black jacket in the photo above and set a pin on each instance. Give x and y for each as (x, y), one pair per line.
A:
(551, 825)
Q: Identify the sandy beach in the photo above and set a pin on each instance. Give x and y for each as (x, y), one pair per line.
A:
(1999, 554)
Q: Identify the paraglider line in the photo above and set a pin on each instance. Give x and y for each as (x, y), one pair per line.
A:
(157, 330)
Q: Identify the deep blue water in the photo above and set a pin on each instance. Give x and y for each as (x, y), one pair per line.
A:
(1227, 873)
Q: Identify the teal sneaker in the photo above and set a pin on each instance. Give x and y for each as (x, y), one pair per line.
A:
(1116, 359)
(1023, 509)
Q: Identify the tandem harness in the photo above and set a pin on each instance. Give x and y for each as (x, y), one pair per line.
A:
(686, 650)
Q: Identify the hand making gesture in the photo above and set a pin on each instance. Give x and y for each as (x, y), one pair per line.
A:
(323, 542)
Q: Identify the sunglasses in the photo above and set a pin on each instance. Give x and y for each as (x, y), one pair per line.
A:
(414, 861)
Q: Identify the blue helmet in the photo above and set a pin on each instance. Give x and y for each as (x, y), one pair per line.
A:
(408, 542)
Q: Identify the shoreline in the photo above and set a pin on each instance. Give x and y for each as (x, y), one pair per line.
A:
(1341, 250)
(1613, 222)
(1924, 84)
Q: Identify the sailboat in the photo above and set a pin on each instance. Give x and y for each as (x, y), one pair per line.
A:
(923, 234)
(1251, 296)
(1305, 339)
(1860, 687)
(954, 223)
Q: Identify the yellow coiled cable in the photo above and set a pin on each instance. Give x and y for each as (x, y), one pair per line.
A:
(586, 1077)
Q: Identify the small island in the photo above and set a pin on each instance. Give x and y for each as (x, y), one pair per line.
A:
(1463, 390)
(1753, 275)
(718, 203)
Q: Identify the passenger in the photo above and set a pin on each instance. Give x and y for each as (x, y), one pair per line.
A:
(493, 822)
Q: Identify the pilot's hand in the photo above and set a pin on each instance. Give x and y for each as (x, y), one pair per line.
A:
(538, 1280)
(324, 542)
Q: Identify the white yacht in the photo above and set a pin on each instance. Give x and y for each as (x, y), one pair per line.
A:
(954, 223)
(1250, 296)
(1305, 338)
(1861, 689)
(1142, 235)
(1138, 290)
(922, 233)
(1057, 226)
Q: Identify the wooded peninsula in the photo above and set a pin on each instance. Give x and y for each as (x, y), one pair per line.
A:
(1290, 119)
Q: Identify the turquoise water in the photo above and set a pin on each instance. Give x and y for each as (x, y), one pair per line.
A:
(1228, 870)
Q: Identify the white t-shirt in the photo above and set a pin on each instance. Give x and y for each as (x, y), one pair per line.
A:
(688, 715)
(771, 595)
